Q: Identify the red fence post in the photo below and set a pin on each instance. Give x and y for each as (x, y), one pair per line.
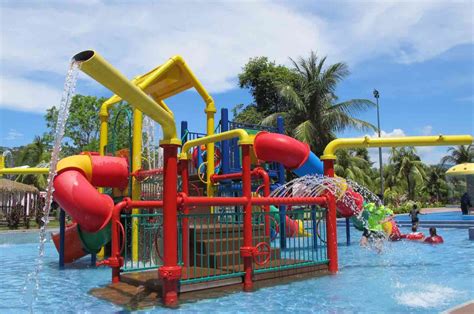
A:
(184, 164)
(331, 222)
(247, 249)
(170, 272)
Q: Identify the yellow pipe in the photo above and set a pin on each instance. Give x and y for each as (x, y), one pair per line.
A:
(210, 169)
(2, 164)
(99, 69)
(19, 170)
(367, 142)
(136, 165)
(243, 136)
(82, 162)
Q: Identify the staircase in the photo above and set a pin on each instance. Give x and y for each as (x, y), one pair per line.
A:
(218, 245)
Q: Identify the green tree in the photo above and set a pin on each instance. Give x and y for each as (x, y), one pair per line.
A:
(459, 155)
(249, 114)
(263, 77)
(313, 113)
(351, 166)
(34, 153)
(436, 184)
(83, 125)
(407, 166)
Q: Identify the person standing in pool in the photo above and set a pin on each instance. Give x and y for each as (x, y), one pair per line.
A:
(414, 216)
(434, 238)
(465, 203)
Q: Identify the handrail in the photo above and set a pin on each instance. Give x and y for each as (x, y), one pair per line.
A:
(367, 142)
(244, 139)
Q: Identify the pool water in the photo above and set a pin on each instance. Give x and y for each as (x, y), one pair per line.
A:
(454, 215)
(405, 277)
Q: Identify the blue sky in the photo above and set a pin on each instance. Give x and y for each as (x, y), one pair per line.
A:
(419, 55)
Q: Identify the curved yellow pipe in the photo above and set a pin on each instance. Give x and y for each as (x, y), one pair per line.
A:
(81, 162)
(244, 139)
(100, 70)
(367, 142)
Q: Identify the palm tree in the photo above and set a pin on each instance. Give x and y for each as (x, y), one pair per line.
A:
(35, 154)
(351, 166)
(312, 111)
(459, 155)
(436, 184)
(407, 166)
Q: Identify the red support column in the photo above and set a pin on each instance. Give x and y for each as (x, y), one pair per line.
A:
(247, 249)
(170, 272)
(184, 164)
(331, 221)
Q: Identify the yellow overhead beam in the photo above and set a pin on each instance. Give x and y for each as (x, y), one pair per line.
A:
(368, 142)
(19, 170)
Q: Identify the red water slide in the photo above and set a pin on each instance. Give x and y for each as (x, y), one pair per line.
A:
(75, 190)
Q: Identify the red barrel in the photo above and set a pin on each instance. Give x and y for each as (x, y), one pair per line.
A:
(80, 199)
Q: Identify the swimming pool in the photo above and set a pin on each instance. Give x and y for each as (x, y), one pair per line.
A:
(406, 277)
(454, 215)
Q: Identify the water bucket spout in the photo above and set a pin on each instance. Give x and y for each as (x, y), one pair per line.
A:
(100, 70)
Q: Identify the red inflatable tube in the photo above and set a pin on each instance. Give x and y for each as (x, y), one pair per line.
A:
(72, 243)
(415, 236)
(109, 172)
(80, 199)
(275, 147)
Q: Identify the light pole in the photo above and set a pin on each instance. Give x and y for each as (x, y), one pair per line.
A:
(377, 95)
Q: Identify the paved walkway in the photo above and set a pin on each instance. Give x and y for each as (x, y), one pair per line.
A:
(440, 210)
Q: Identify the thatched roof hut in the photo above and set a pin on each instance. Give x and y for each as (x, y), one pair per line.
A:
(9, 186)
(17, 194)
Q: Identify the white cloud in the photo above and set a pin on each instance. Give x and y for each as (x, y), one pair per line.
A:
(393, 133)
(215, 38)
(27, 95)
(428, 154)
(13, 135)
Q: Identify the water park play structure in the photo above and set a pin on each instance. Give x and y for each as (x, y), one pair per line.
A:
(218, 211)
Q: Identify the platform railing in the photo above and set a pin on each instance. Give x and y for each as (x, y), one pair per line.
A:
(149, 241)
(305, 240)
(214, 247)
(215, 240)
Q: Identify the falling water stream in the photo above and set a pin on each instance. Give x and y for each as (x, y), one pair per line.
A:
(32, 285)
(318, 185)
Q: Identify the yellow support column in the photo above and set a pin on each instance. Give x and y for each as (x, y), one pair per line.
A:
(210, 111)
(104, 120)
(136, 165)
(2, 164)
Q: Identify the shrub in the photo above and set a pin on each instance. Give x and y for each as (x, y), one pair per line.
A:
(14, 216)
